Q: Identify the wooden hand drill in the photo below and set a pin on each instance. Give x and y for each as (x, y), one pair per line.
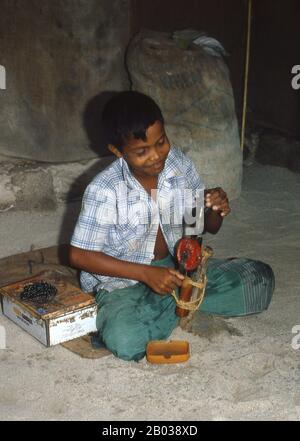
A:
(192, 262)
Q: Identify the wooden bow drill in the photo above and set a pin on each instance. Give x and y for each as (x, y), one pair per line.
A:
(192, 260)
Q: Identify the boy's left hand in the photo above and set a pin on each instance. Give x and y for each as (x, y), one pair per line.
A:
(216, 198)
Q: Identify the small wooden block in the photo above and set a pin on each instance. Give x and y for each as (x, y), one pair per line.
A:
(82, 347)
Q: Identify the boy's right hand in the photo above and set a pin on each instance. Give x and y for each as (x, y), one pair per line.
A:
(162, 280)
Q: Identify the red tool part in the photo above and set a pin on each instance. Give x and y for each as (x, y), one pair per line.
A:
(188, 253)
(189, 256)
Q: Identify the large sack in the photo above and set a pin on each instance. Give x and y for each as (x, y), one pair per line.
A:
(193, 89)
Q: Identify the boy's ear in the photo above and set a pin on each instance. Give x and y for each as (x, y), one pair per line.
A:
(115, 151)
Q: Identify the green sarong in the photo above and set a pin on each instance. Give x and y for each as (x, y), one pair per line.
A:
(129, 318)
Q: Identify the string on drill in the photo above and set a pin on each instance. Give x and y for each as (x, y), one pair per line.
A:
(192, 305)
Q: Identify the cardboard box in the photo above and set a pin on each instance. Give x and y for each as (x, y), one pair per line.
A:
(71, 314)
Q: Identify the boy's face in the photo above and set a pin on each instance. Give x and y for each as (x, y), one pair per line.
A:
(146, 158)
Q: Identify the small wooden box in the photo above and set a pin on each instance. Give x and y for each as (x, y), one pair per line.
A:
(71, 314)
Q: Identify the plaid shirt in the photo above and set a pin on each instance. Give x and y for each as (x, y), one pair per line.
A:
(119, 218)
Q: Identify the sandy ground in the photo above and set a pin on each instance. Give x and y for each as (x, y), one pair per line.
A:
(250, 374)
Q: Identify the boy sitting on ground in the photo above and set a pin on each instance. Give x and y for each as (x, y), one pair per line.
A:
(132, 217)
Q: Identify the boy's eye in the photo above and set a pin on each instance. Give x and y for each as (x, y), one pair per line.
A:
(161, 141)
(140, 152)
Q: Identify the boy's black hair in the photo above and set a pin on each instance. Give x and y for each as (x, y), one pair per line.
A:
(129, 114)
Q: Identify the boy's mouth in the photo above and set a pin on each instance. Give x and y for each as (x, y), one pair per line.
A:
(158, 165)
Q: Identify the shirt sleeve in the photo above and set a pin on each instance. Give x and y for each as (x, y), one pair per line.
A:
(97, 215)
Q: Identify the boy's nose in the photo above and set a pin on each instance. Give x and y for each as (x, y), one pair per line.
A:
(154, 156)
